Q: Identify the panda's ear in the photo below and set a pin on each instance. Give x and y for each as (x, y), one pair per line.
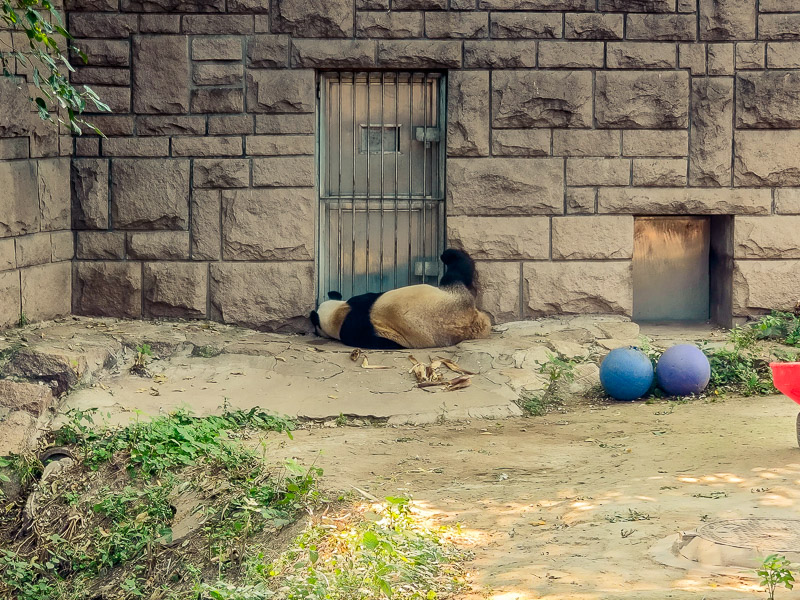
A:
(334, 295)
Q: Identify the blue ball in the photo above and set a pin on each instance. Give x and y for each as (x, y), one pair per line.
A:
(626, 374)
(683, 370)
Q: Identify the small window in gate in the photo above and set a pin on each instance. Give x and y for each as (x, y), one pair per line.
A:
(375, 137)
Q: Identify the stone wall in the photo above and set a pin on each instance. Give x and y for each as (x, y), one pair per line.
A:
(566, 119)
(36, 244)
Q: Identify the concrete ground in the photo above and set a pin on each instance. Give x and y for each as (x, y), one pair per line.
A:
(579, 503)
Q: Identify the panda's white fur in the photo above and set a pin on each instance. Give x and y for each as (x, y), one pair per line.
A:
(416, 316)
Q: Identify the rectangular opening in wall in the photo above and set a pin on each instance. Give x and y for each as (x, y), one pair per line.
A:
(381, 180)
(671, 268)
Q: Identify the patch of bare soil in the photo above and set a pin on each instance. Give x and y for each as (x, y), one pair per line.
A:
(569, 505)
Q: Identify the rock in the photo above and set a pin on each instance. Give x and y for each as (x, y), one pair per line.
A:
(623, 330)
(659, 172)
(151, 194)
(284, 171)
(787, 201)
(268, 51)
(33, 249)
(385, 24)
(779, 27)
(572, 55)
(711, 132)
(598, 171)
(268, 224)
(104, 53)
(160, 74)
(206, 229)
(9, 298)
(522, 99)
(54, 194)
(505, 186)
(593, 26)
(592, 238)
(101, 244)
(217, 100)
(643, 100)
(586, 142)
(468, 113)
(661, 27)
(207, 146)
(568, 350)
(419, 54)
(750, 55)
(285, 124)
(175, 289)
(462, 25)
(498, 290)
(501, 238)
(729, 20)
(655, 143)
(581, 200)
(62, 246)
(221, 173)
(158, 245)
(766, 237)
(217, 24)
(720, 59)
(331, 54)
(532, 359)
(107, 289)
(46, 291)
(227, 47)
(577, 287)
(644, 6)
(767, 100)
(276, 91)
(314, 18)
(272, 295)
(766, 158)
(18, 434)
(521, 142)
(19, 202)
(498, 54)
(525, 25)
(15, 103)
(764, 285)
(676, 201)
(171, 125)
(168, 6)
(586, 376)
(28, 397)
(103, 25)
(637, 55)
(55, 369)
(218, 74)
(280, 145)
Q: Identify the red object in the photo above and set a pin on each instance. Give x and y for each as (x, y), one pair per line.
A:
(786, 377)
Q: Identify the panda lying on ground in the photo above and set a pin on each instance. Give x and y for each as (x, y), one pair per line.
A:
(416, 316)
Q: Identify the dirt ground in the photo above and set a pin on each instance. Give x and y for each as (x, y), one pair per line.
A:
(545, 503)
(537, 496)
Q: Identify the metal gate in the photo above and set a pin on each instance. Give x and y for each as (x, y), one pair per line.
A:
(381, 180)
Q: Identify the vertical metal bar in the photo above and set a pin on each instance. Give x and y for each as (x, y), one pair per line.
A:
(424, 171)
(353, 202)
(367, 198)
(410, 167)
(339, 255)
(383, 126)
(398, 143)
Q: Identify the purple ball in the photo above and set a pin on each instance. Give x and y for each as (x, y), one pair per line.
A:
(683, 370)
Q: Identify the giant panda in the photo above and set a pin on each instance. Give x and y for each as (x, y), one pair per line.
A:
(416, 316)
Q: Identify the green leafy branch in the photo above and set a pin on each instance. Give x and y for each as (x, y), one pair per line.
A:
(47, 60)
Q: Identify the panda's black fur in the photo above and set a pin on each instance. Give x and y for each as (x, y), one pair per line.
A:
(357, 327)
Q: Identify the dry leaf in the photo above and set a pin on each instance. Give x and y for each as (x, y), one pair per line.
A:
(459, 383)
(366, 365)
(237, 372)
(453, 366)
(280, 358)
(355, 354)
(141, 390)
(413, 360)
(154, 392)
(179, 390)
(160, 378)
(332, 397)
(436, 364)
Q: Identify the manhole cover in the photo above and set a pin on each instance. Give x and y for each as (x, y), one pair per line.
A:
(766, 535)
